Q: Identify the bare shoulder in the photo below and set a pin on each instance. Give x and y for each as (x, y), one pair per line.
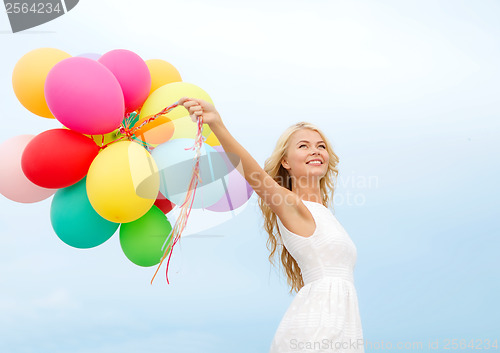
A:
(292, 212)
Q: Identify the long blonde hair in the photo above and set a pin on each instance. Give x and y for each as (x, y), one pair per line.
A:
(273, 167)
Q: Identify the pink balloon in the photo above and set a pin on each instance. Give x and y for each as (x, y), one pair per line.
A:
(238, 190)
(13, 183)
(132, 73)
(85, 96)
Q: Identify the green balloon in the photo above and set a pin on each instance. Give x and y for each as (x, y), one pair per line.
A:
(142, 239)
(75, 221)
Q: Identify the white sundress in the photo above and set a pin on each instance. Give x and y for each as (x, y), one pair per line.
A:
(324, 315)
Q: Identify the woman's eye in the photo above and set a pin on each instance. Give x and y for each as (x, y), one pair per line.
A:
(323, 146)
(301, 146)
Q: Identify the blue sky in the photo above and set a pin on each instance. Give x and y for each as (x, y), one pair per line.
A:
(407, 92)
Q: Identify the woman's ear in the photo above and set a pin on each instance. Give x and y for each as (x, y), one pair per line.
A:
(285, 164)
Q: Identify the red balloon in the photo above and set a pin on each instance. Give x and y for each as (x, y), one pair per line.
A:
(164, 204)
(58, 158)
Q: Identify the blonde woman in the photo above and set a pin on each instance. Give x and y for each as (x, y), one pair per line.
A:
(295, 188)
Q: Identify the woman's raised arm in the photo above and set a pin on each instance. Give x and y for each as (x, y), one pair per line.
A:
(277, 197)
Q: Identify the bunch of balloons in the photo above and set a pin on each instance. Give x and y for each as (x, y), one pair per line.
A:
(115, 162)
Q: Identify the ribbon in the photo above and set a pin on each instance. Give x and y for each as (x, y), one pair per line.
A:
(187, 205)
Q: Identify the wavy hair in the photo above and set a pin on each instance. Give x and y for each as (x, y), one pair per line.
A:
(273, 167)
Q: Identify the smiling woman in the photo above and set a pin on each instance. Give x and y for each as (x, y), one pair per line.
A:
(306, 160)
(318, 256)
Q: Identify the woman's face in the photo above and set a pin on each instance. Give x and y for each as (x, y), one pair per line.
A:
(305, 146)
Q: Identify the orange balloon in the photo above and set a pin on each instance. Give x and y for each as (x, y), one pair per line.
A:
(157, 131)
(162, 73)
(29, 75)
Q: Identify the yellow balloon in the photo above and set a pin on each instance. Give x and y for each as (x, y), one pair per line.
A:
(123, 182)
(169, 94)
(102, 140)
(162, 73)
(186, 128)
(212, 140)
(29, 75)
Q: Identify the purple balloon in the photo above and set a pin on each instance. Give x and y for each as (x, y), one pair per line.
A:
(93, 56)
(85, 96)
(238, 190)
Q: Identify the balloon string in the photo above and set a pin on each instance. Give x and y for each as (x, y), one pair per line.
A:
(128, 130)
(187, 205)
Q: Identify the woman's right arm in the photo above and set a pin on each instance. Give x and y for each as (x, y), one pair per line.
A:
(278, 198)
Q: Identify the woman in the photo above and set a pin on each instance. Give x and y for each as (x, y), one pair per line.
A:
(317, 254)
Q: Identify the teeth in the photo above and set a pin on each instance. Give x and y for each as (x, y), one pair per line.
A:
(315, 162)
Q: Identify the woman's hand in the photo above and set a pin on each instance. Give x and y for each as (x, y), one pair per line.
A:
(198, 107)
